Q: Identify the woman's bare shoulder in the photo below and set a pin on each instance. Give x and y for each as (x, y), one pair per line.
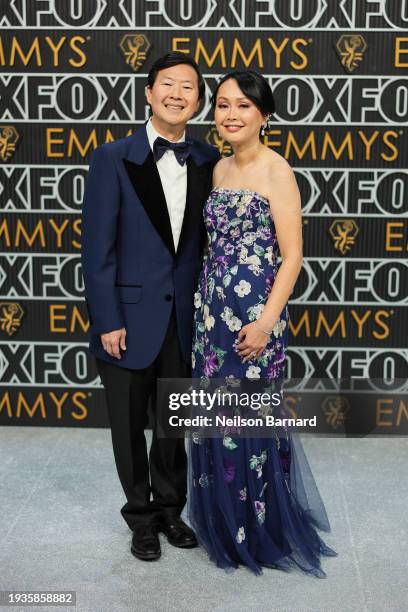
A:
(276, 163)
(220, 169)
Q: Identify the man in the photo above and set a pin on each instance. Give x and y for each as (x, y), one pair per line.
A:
(141, 253)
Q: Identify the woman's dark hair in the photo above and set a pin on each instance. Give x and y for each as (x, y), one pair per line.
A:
(174, 59)
(253, 86)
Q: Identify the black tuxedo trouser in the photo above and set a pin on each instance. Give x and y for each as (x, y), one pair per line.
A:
(127, 396)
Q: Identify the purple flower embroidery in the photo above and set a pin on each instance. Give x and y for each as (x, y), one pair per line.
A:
(210, 363)
(229, 470)
(264, 233)
(276, 367)
(223, 224)
(260, 511)
(243, 494)
(221, 264)
(269, 285)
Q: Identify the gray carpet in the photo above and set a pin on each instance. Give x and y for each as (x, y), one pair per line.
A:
(61, 529)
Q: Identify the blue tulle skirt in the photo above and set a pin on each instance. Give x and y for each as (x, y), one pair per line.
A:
(254, 502)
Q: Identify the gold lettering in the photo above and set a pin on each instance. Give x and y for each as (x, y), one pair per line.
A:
(2, 58)
(300, 54)
(303, 321)
(83, 150)
(381, 323)
(58, 230)
(278, 50)
(310, 142)
(390, 235)
(272, 143)
(380, 411)
(4, 230)
(77, 230)
(6, 403)
(59, 403)
(55, 48)
(76, 318)
(51, 141)
(401, 50)
(402, 411)
(16, 49)
(54, 308)
(175, 44)
(219, 50)
(72, 43)
(238, 50)
(83, 409)
(390, 145)
(21, 231)
(22, 404)
(329, 144)
(322, 321)
(368, 143)
(360, 322)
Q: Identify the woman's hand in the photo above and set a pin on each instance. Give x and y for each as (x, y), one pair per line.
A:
(252, 342)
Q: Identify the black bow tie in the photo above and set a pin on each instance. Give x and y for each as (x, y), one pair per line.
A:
(181, 149)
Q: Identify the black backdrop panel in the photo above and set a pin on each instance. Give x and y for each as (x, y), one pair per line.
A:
(73, 76)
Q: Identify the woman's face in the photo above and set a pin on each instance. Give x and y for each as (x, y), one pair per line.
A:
(237, 118)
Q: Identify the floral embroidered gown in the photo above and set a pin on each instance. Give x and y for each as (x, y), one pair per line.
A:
(252, 501)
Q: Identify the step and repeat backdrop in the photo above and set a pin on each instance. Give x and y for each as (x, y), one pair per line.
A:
(73, 74)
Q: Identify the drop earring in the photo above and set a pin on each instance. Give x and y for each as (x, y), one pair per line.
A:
(263, 130)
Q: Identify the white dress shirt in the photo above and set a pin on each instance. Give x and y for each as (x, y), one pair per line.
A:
(174, 182)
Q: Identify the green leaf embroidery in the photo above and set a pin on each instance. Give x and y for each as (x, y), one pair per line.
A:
(229, 443)
(260, 251)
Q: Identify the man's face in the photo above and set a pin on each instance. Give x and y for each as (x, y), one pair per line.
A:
(174, 95)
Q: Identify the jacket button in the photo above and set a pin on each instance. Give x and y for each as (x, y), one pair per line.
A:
(168, 297)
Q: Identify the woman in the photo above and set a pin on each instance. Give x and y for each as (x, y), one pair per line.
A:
(247, 501)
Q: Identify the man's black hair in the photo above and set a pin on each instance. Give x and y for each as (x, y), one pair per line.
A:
(174, 59)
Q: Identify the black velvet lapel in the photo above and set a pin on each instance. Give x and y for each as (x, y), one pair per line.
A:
(198, 187)
(146, 182)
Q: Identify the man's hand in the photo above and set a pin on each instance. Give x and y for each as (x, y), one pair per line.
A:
(113, 341)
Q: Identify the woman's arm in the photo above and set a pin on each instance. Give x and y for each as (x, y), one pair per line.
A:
(285, 204)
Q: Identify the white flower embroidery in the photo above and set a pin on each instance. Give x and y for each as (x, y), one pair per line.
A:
(227, 314)
(197, 300)
(253, 372)
(249, 238)
(193, 361)
(240, 210)
(279, 328)
(243, 254)
(209, 320)
(269, 255)
(203, 480)
(240, 537)
(234, 324)
(257, 270)
(220, 293)
(258, 309)
(254, 260)
(243, 288)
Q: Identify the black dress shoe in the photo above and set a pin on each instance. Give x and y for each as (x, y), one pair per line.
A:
(146, 544)
(177, 532)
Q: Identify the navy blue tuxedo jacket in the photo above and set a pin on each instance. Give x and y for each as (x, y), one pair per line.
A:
(132, 274)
